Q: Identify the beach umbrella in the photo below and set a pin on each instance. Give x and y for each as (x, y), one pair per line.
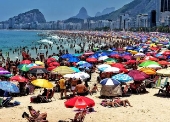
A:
(62, 70)
(51, 68)
(36, 67)
(109, 81)
(148, 71)
(167, 52)
(9, 87)
(50, 60)
(88, 53)
(25, 62)
(112, 69)
(122, 77)
(67, 56)
(31, 65)
(164, 72)
(39, 63)
(131, 62)
(110, 60)
(92, 60)
(81, 62)
(102, 58)
(79, 102)
(147, 63)
(68, 75)
(75, 69)
(23, 67)
(43, 83)
(163, 62)
(154, 66)
(103, 66)
(55, 57)
(127, 57)
(4, 72)
(85, 65)
(18, 78)
(118, 65)
(73, 59)
(38, 71)
(139, 55)
(81, 75)
(151, 58)
(137, 75)
(54, 64)
(77, 54)
(8, 75)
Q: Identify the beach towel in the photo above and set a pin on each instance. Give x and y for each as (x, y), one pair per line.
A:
(158, 82)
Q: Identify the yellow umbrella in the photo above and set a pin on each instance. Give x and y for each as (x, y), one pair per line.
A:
(62, 70)
(133, 52)
(148, 71)
(153, 45)
(42, 83)
(164, 72)
(39, 63)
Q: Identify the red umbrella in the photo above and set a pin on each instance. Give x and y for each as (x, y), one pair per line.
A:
(92, 60)
(163, 62)
(51, 68)
(25, 62)
(118, 65)
(115, 56)
(151, 58)
(79, 102)
(88, 53)
(131, 62)
(50, 60)
(18, 78)
(166, 52)
(127, 57)
(138, 75)
(54, 64)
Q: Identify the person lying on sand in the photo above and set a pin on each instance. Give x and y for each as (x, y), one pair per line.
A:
(122, 102)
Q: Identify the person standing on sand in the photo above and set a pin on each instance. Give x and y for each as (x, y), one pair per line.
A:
(62, 87)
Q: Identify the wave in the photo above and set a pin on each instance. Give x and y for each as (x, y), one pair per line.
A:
(45, 41)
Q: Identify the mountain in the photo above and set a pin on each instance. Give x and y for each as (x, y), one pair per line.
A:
(133, 8)
(82, 14)
(28, 17)
(105, 11)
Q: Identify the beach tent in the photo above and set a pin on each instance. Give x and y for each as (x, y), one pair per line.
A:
(111, 90)
(110, 87)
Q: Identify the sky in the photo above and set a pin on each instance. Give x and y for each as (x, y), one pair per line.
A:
(54, 10)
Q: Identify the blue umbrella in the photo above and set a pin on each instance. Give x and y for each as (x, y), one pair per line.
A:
(86, 65)
(81, 62)
(67, 56)
(78, 54)
(109, 81)
(73, 59)
(75, 69)
(9, 87)
(122, 77)
(31, 65)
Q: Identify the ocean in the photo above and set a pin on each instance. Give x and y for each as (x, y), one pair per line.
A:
(12, 39)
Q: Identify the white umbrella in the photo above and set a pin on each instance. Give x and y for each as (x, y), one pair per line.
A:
(101, 58)
(81, 75)
(112, 69)
(139, 55)
(103, 66)
(154, 66)
(68, 76)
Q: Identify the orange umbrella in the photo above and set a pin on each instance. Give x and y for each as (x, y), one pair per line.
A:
(148, 71)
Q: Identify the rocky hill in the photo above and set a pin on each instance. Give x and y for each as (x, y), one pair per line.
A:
(82, 14)
(133, 8)
(28, 17)
(105, 11)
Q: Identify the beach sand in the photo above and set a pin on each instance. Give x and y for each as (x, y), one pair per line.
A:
(146, 108)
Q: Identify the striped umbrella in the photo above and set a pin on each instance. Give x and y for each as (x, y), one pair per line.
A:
(62, 70)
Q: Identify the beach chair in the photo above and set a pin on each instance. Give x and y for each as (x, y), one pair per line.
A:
(1, 100)
(44, 98)
(51, 96)
(6, 102)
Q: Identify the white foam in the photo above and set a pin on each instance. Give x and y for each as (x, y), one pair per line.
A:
(45, 41)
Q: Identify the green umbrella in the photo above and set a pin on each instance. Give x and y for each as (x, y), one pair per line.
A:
(8, 75)
(56, 57)
(147, 63)
(110, 60)
(23, 67)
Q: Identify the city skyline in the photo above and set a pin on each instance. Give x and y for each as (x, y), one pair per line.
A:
(56, 9)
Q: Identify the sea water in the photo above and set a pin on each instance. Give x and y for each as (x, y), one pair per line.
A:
(12, 39)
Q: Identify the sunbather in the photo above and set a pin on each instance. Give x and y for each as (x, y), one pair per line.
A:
(36, 114)
(110, 103)
(122, 102)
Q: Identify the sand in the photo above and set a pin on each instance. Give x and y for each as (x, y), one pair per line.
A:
(146, 108)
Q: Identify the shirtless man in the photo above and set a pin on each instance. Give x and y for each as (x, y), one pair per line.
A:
(73, 85)
(81, 89)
